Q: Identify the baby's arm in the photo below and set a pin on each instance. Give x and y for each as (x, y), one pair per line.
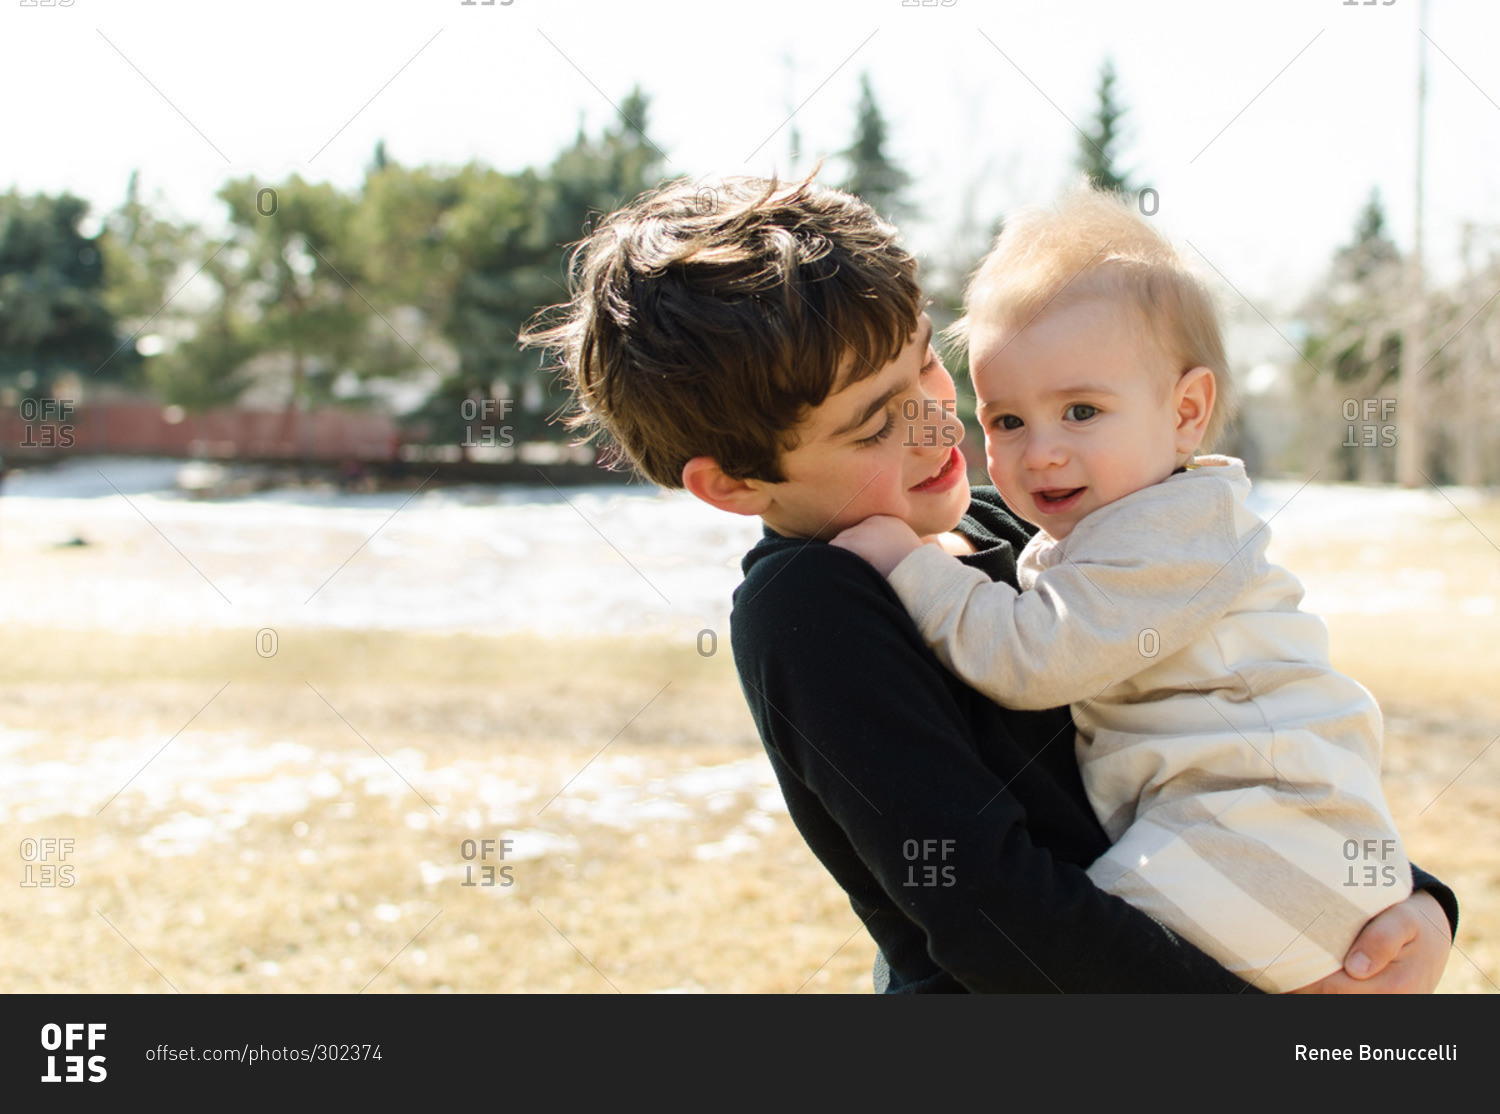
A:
(1139, 581)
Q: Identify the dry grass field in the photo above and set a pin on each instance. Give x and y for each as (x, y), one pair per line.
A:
(270, 848)
(299, 822)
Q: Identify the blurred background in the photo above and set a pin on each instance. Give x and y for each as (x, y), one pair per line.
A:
(334, 664)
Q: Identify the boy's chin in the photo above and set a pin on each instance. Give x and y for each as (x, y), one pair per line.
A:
(945, 520)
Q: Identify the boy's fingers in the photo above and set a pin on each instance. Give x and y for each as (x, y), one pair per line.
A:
(1380, 941)
(1396, 979)
(1359, 965)
(1336, 983)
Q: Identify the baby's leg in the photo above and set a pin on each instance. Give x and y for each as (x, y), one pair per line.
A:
(1260, 878)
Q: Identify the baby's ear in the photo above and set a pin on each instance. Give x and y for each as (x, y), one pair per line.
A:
(705, 480)
(1193, 404)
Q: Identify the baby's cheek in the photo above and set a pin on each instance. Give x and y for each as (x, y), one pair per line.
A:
(994, 464)
(1012, 494)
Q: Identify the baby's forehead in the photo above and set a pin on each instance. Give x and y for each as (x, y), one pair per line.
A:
(1083, 305)
(1077, 325)
(1087, 345)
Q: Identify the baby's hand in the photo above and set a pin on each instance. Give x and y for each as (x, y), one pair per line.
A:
(882, 539)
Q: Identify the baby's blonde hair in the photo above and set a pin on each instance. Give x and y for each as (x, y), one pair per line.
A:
(1096, 245)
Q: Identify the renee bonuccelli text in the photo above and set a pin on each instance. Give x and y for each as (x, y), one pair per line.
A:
(1372, 1052)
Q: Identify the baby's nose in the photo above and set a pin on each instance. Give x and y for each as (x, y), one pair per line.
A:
(1043, 451)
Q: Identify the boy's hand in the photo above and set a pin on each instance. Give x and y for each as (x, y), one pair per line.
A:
(1406, 948)
(882, 539)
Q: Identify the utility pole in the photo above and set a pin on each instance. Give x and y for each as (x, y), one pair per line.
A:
(1409, 442)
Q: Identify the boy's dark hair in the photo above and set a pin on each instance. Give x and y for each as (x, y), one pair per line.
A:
(707, 319)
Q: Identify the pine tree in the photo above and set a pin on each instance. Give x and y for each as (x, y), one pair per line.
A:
(873, 176)
(144, 253)
(1372, 250)
(54, 319)
(1354, 343)
(509, 234)
(1098, 147)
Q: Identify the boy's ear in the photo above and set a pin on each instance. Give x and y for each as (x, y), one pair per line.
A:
(1193, 403)
(703, 477)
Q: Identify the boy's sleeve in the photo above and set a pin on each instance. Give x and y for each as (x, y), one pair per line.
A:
(1145, 574)
(855, 708)
(1421, 880)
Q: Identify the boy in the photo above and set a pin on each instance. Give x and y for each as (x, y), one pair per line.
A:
(1229, 762)
(759, 352)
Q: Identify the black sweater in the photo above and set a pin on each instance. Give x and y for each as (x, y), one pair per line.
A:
(959, 829)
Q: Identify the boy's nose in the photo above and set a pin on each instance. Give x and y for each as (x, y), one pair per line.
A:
(951, 428)
(934, 424)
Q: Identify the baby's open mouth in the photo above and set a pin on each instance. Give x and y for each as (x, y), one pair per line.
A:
(1055, 497)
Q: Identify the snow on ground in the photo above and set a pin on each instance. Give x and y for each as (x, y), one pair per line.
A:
(610, 560)
(210, 784)
(1399, 566)
(602, 560)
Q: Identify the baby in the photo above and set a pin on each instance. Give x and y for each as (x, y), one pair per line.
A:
(1236, 771)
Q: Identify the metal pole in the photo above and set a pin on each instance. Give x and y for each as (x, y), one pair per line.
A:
(1409, 441)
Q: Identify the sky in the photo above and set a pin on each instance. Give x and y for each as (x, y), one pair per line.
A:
(1261, 126)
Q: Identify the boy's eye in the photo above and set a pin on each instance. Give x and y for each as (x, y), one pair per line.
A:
(931, 361)
(1008, 422)
(882, 433)
(1080, 412)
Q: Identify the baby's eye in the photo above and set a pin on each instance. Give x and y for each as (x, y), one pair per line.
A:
(1008, 422)
(1080, 412)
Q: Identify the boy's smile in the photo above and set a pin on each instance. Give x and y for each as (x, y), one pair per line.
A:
(946, 476)
(887, 444)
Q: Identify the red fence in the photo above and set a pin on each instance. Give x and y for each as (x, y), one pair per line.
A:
(47, 428)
